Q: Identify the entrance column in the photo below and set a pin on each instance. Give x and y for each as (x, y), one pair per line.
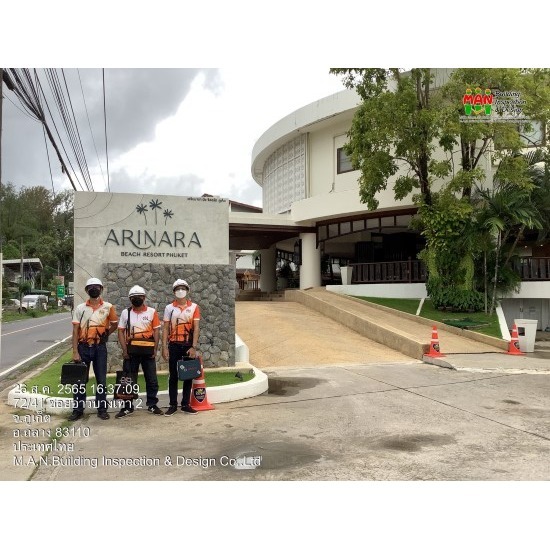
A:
(268, 278)
(310, 270)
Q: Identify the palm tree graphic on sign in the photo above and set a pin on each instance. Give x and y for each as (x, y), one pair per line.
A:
(155, 205)
(141, 209)
(167, 214)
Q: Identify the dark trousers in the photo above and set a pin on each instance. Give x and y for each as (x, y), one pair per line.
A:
(149, 366)
(96, 354)
(175, 353)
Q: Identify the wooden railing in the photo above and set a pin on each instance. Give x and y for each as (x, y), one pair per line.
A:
(414, 271)
(408, 271)
(533, 269)
(252, 284)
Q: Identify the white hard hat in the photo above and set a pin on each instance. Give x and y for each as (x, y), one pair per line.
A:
(180, 282)
(136, 290)
(93, 281)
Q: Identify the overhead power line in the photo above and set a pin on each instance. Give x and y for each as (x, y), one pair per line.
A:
(64, 167)
(90, 126)
(70, 128)
(28, 95)
(36, 104)
(48, 154)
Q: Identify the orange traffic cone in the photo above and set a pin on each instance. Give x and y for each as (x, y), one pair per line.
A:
(199, 399)
(434, 345)
(513, 346)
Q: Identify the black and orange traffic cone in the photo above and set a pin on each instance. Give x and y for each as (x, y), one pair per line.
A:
(513, 346)
(199, 399)
(434, 345)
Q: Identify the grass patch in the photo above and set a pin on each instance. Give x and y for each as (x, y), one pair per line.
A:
(49, 378)
(401, 304)
(479, 322)
(10, 316)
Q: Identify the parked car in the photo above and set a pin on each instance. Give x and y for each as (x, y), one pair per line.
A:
(35, 301)
(12, 304)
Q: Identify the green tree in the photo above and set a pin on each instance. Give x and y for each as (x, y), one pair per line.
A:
(503, 209)
(394, 132)
(41, 223)
(404, 118)
(539, 171)
(448, 225)
(502, 140)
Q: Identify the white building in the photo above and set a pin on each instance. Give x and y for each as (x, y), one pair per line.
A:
(312, 211)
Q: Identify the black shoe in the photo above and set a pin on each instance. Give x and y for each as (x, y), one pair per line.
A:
(188, 409)
(76, 415)
(170, 410)
(155, 410)
(124, 412)
(104, 415)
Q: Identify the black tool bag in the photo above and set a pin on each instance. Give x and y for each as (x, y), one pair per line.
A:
(126, 384)
(74, 373)
(189, 368)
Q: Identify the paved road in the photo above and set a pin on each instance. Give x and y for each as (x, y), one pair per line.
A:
(21, 340)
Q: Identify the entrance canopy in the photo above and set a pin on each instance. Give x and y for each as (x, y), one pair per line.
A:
(258, 231)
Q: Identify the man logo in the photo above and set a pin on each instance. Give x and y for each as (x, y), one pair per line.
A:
(477, 103)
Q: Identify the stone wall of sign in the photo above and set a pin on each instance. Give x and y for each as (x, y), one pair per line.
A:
(212, 288)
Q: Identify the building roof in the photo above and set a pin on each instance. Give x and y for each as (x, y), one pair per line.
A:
(235, 206)
(312, 116)
(34, 263)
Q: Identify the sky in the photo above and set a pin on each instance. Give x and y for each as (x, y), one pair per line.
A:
(169, 131)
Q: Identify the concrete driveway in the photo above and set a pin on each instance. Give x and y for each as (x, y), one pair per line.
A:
(288, 334)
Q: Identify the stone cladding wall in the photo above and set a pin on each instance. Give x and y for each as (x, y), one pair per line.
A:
(212, 288)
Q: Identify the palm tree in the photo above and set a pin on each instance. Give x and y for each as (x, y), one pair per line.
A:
(539, 196)
(155, 205)
(540, 176)
(167, 214)
(141, 209)
(502, 210)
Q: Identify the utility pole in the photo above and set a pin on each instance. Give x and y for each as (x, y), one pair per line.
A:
(1, 254)
(21, 278)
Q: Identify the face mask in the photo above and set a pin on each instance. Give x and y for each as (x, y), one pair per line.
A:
(137, 301)
(94, 292)
(181, 293)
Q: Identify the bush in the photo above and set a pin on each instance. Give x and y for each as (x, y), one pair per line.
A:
(456, 299)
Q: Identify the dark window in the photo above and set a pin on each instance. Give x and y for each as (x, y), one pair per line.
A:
(343, 162)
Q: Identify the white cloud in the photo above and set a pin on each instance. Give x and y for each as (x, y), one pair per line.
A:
(181, 131)
(213, 133)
